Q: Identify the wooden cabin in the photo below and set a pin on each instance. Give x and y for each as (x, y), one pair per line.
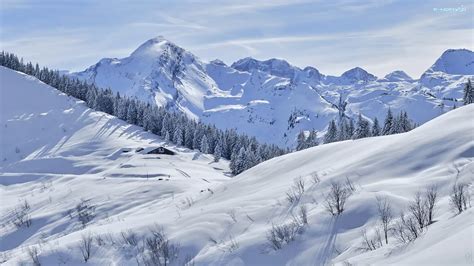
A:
(161, 150)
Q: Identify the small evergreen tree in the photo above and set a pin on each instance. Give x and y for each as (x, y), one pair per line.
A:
(331, 134)
(363, 129)
(301, 141)
(204, 145)
(388, 124)
(217, 152)
(376, 128)
(468, 93)
(313, 138)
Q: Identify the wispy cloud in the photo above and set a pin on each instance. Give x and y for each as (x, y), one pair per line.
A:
(331, 35)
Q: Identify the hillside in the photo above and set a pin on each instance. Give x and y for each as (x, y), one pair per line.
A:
(57, 154)
(272, 99)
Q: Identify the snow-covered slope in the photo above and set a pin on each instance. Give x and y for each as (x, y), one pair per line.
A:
(53, 146)
(219, 221)
(272, 99)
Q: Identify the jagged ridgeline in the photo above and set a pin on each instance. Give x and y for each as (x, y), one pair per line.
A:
(243, 151)
(272, 99)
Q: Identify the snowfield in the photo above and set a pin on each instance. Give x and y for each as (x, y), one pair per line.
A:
(56, 153)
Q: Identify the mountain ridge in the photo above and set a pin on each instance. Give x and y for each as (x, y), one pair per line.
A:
(272, 99)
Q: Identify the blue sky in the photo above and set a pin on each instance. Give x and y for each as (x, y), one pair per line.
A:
(333, 36)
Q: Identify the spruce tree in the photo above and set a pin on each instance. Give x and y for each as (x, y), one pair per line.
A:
(376, 128)
(178, 136)
(301, 141)
(237, 161)
(387, 126)
(363, 130)
(217, 152)
(331, 134)
(313, 138)
(350, 129)
(204, 145)
(468, 93)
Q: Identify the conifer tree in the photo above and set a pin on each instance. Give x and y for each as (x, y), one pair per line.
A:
(217, 152)
(331, 134)
(468, 93)
(363, 130)
(376, 128)
(313, 138)
(204, 145)
(301, 141)
(387, 126)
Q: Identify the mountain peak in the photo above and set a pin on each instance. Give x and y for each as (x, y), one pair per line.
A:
(154, 46)
(358, 74)
(455, 62)
(273, 66)
(398, 75)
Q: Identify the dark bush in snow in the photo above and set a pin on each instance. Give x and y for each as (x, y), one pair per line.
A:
(336, 199)
(459, 197)
(33, 253)
(85, 212)
(86, 246)
(21, 215)
(296, 191)
(385, 215)
(158, 249)
(283, 234)
(129, 237)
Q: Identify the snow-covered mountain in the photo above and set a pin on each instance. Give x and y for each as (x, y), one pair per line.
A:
(65, 159)
(272, 99)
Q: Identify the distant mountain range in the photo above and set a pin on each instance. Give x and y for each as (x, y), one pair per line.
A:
(272, 99)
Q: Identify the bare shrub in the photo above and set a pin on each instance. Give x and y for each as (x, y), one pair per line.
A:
(99, 240)
(188, 202)
(21, 215)
(109, 238)
(303, 214)
(233, 244)
(385, 215)
(232, 215)
(418, 210)
(407, 229)
(26, 206)
(86, 245)
(280, 235)
(294, 194)
(431, 196)
(315, 178)
(160, 251)
(85, 212)
(368, 243)
(129, 237)
(350, 185)
(33, 253)
(299, 185)
(336, 199)
(459, 197)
